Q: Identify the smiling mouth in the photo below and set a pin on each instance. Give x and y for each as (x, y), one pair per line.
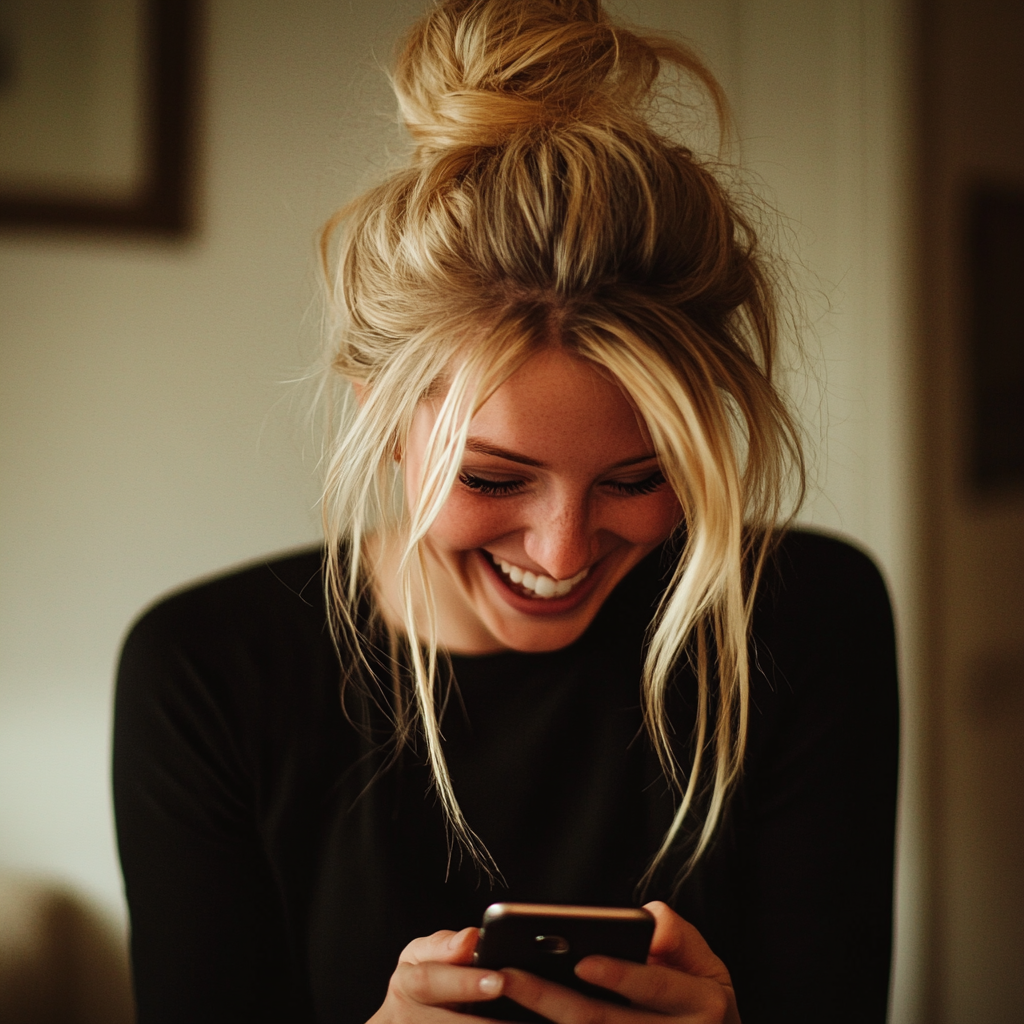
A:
(529, 584)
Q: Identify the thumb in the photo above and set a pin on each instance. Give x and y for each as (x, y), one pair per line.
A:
(442, 947)
(677, 944)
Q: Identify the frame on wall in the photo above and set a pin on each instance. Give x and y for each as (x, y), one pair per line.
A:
(161, 197)
(995, 256)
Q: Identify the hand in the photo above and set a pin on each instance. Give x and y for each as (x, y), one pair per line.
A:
(432, 979)
(682, 980)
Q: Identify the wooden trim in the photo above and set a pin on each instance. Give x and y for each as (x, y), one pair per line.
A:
(165, 202)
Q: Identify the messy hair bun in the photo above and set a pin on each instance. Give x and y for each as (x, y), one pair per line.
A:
(541, 207)
(473, 74)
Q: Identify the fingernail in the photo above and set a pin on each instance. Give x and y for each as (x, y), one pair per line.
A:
(490, 984)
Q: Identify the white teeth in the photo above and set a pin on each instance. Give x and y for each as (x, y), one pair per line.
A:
(542, 586)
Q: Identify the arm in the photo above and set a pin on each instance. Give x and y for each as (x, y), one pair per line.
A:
(796, 896)
(816, 846)
(207, 935)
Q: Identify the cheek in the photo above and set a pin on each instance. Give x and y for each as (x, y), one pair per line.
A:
(651, 520)
(467, 521)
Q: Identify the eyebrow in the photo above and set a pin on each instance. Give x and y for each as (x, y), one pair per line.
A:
(481, 447)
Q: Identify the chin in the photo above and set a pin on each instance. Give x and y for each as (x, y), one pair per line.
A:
(542, 633)
(529, 640)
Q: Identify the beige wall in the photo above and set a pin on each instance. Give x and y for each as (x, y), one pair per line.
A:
(149, 432)
(148, 435)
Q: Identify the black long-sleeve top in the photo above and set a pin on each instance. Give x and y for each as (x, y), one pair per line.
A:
(277, 857)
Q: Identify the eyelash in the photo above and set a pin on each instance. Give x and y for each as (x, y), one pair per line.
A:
(646, 486)
(493, 488)
(503, 488)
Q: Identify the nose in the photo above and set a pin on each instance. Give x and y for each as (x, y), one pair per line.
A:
(560, 540)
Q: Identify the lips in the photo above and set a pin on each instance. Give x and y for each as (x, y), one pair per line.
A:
(527, 599)
(538, 585)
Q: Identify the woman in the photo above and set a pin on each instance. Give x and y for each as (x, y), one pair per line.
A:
(578, 660)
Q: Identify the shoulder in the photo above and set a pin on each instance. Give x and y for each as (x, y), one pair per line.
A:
(820, 578)
(814, 579)
(813, 562)
(231, 687)
(268, 592)
(822, 633)
(243, 642)
(264, 587)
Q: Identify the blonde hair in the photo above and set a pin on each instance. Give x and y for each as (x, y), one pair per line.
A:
(540, 207)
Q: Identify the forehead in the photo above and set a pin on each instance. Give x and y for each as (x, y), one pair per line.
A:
(557, 408)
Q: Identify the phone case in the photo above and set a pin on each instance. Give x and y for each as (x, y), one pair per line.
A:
(549, 940)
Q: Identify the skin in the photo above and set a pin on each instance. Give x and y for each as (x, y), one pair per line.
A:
(588, 497)
(559, 476)
(682, 981)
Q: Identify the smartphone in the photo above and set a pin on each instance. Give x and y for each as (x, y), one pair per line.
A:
(549, 940)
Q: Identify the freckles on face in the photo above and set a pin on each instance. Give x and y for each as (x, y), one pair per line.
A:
(559, 495)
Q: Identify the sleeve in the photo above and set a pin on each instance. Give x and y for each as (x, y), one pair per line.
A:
(822, 797)
(207, 932)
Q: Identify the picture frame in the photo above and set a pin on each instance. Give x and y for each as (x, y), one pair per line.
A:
(995, 271)
(57, 118)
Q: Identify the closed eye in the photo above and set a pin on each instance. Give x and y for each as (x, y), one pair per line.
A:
(484, 485)
(648, 485)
